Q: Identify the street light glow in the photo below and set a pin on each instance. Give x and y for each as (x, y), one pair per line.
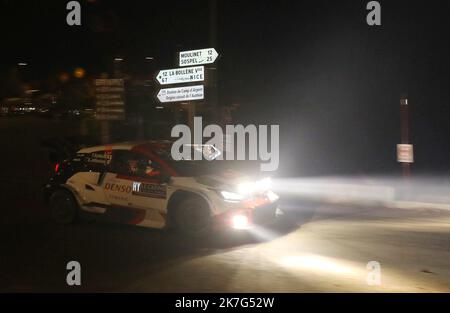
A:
(79, 72)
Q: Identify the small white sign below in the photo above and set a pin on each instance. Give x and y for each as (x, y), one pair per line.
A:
(181, 94)
(405, 153)
(197, 57)
(181, 75)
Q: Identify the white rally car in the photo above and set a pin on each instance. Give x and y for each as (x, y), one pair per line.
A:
(139, 183)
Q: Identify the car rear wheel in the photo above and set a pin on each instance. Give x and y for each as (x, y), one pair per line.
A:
(192, 216)
(63, 207)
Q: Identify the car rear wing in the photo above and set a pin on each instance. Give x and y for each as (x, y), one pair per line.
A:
(63, 148)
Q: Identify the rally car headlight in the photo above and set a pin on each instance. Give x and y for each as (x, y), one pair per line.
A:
(272, 196)
(246, 187)
(232, 196)
(239, 221)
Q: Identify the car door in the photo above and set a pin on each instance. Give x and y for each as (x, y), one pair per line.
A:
(85, 181)
(116, 182)
(134, 182)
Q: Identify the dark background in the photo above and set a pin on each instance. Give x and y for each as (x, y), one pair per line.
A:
(316, 68)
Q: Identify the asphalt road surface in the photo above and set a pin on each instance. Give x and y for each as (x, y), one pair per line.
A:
(316, 247)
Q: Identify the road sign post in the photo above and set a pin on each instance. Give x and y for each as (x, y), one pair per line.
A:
(405, 148)
(191, 70)
(181, 75)
(177, 94)
(198, 57)
(213, 91)
(110, 104)
(405, 153)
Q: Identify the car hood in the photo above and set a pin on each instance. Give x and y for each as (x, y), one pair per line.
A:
(224, 179)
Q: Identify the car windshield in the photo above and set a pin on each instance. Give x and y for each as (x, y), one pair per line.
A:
(203, 166)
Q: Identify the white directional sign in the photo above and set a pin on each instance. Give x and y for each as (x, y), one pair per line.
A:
(181, 75)
(197, 57)
(110, 99)
(181, 94)
(405, 153)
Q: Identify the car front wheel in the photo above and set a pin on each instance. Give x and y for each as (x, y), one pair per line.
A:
(192, 216)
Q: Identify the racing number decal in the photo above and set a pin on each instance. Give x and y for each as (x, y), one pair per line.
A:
(149, 190)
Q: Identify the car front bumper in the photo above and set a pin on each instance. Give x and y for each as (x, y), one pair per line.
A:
(248, 217)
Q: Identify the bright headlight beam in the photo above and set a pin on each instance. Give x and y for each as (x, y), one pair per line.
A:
(259, 185)
(263, 184)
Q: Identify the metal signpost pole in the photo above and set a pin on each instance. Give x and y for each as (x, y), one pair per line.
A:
(404, 133)
(213, 73)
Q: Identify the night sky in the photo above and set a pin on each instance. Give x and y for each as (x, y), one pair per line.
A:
(332, 82)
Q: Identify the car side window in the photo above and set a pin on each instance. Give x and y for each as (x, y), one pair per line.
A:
(130, 163)
(119, 164)
(95, 161)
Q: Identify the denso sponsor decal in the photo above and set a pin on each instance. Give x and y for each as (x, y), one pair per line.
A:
(118, 187)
